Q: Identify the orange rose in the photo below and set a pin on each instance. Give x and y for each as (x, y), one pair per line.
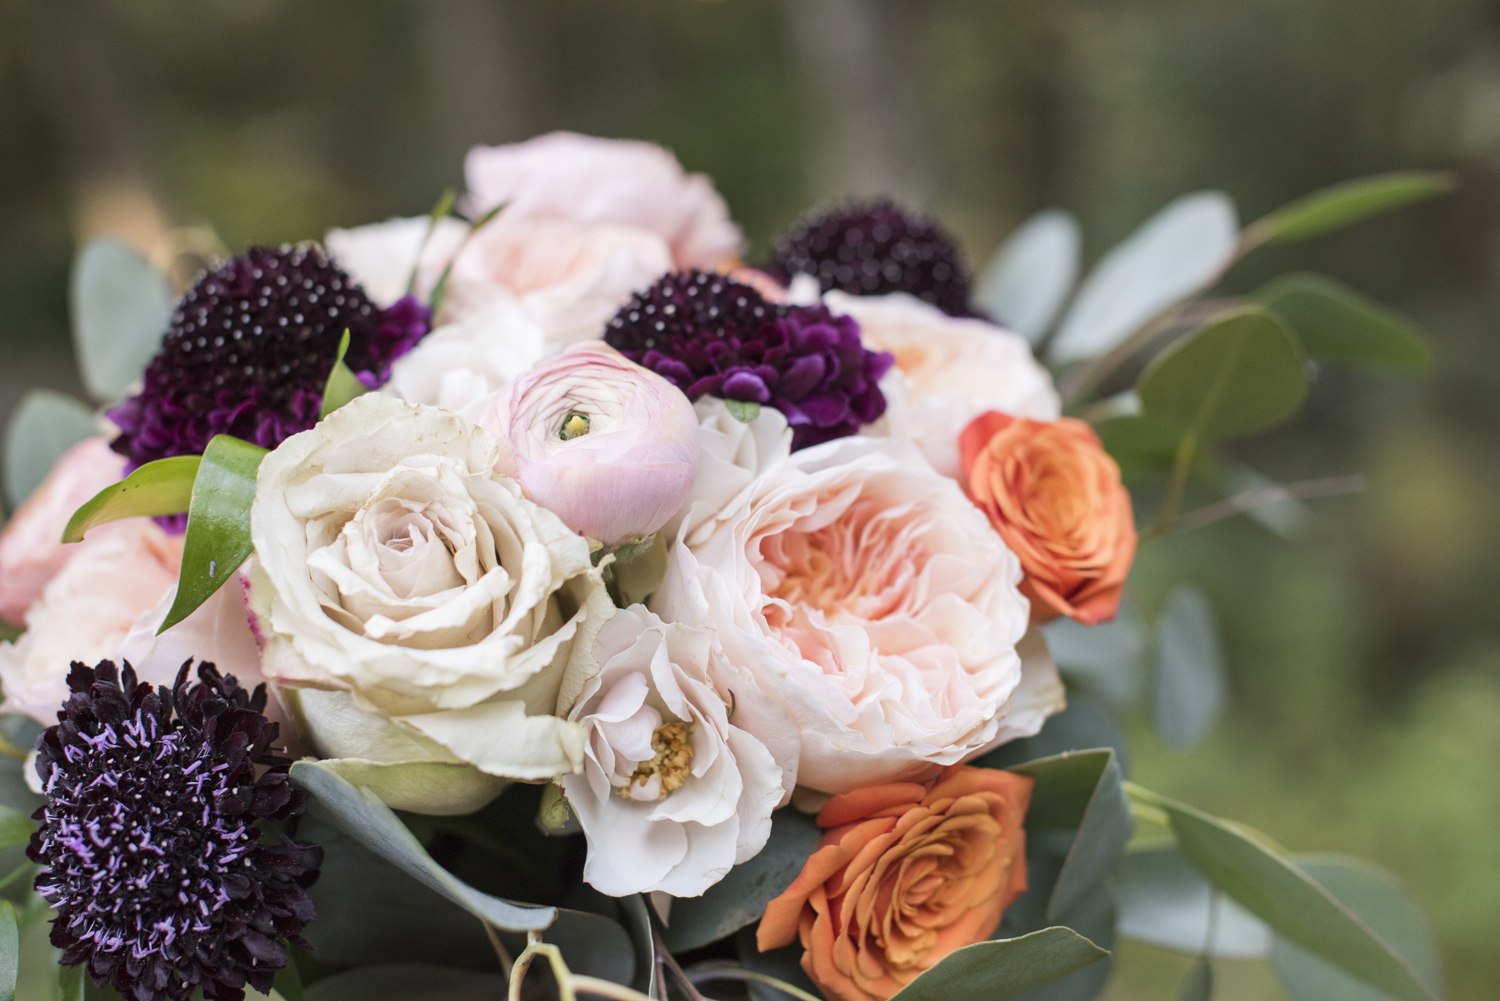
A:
(1055, 497)
(905, 874)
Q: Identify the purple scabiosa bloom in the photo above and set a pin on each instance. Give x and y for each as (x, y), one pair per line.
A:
(249, 351)
(708, 334)
(872, 248)
(152, 840)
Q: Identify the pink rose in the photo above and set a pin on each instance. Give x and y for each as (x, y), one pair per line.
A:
(218, 630)
(606, 445)
(871, 612)
(119, 572)
(954, 369)
(567, 277)
(593, 181)
(31, 548)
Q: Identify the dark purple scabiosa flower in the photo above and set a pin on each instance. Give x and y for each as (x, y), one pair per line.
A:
(872, 248)
(153, 838)
(708, 334)
(250, 348)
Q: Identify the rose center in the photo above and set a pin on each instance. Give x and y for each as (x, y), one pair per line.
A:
(574, 425)
(669, 766)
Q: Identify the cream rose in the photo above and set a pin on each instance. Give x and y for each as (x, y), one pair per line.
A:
(382, 255)
(424, 619)
(875, 611)
(672, 794)
(584, 179)
(459, 366)
(952, 369)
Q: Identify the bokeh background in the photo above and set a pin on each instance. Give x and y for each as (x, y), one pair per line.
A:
(1365, 653)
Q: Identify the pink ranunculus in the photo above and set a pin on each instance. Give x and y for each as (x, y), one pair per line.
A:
(606, 445)
(593, 181)
(672, 794)
(953, 369)
(872, 609)
(567, 277)
(217, 630)
(120, 571)
(31, 548)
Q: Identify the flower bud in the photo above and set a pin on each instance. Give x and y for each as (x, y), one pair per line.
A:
(606, 445)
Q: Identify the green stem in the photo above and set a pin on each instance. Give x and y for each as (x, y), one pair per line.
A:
(1181, 467)
(750, 976)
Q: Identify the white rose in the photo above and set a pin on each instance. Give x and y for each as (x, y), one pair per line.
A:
(672, 794)
(459, 366)
(381, 256)
(952, 369)
(424, 618)
(871, 612)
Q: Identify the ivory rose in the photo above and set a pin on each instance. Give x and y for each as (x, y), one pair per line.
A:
(423, 618)
(872, 611)
(31, 547)
(1055, 497)
(672, 794)
(460, 365)
(584, 179)
(111, 578)
(606, 445)
(904, 874)
(381, 256)
(955, 368)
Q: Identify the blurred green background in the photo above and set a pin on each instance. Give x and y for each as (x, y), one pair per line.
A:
(1365, 654)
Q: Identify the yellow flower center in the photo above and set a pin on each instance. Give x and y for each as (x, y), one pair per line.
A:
(670, 763)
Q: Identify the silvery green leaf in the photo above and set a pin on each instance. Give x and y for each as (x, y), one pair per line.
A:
(120, 306)
(1031, 274)
(1106, 657)
(1188, 687)
(1283, 517)
(42, 428)
(1178, 251)
(1165, 901)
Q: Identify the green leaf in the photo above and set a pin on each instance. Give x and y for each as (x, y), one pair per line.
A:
(1375, 898)
(406, 981)
(70, 983)
(1239, 373)
(1139, 446)
(42, 427)
(363, 818)
(1188, 689)
(161, 487)
(1004, 969)
(15, 828)
(10, 951)
(638, 924)
(1335, 322)
(1296, 907)
(740, 898)
(1106, 658)
(1165, 901)
(1083, 725)
(1348, 202)
(120, 308)
(342, 385)
(1065, 785)
(742, 410)
(218, 528)
(1031, 274)
(1200, 983)
(288, 982)
(439, 212)
(1178, 251)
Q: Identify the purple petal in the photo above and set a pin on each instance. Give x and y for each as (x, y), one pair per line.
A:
(745, 386)
(804, 375)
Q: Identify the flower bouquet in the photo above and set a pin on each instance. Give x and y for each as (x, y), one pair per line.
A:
(539, 581)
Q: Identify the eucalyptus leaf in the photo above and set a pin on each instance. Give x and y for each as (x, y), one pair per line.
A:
(43, 426)
(1082, 726)
(743, 411)
(1376, 899)
(1065, 785)
(1093, 917)
(362, 817)
(1180, 250)
(1003, 969)
(1348, 202)
(161, 487)
(1031, 274)
(15, 828)
(1106, 828)
(10, 951)
(120, 306)
(1106, 657)
(342, 385)
(218, 526)
(1165, 901)
(1188, 688)
(288, 982)
(1336, 323)
(740, 898)
(1239, 373)
(1140, 446)
(409, 982)
(1295, 906)
(1200, 982)
(638, 925)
